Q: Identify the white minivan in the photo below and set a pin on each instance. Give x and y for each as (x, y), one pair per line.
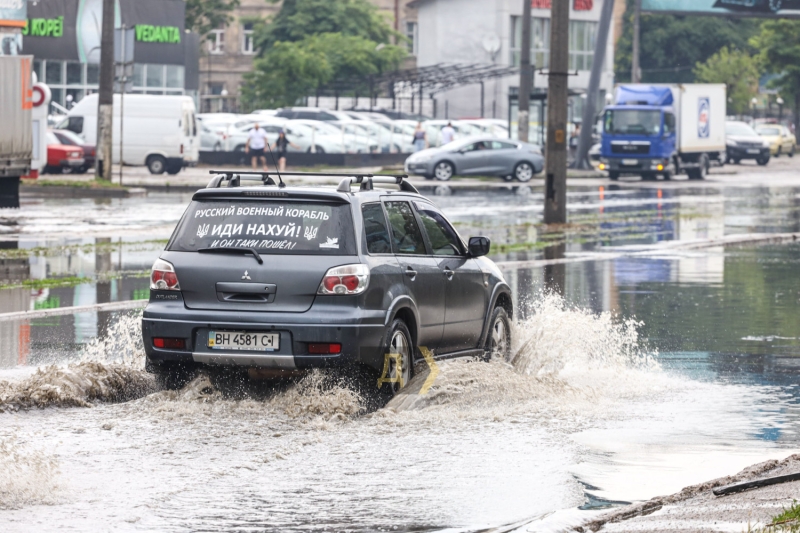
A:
(159, 131)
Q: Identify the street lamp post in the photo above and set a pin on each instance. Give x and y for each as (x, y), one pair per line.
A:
(779, 101)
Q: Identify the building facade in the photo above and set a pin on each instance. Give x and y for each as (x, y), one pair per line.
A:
(227, 53)
(64, 38)
(490, 32)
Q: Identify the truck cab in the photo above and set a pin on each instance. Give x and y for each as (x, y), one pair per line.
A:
(663, 130)
(638, 139)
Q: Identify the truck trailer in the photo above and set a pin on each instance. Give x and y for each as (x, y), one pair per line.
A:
(664, 130)
(16, 136)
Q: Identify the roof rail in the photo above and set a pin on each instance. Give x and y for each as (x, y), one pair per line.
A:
(235, 177)
(367, 182)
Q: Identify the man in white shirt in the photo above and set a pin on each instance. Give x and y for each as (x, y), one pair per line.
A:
(448, 134)
(256, 142)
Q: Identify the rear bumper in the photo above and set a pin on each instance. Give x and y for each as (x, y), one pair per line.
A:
(737, 152)
(360, 334)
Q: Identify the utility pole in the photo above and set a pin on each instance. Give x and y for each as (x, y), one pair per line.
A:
(593, 92)
(105, 106)
(635, 70)
(555, 201)
(525, 74)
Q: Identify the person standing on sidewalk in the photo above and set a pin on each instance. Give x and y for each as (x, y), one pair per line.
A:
(420, 138)
(256, 142)
(280, 147)
(448, 134)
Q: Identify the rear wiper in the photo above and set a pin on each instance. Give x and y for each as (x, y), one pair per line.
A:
(239, 249)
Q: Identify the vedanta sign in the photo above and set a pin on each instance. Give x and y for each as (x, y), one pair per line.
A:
(157, 34)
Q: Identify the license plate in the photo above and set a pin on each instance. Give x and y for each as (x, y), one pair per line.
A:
(243, 340)
(630, 162)
(753, 151)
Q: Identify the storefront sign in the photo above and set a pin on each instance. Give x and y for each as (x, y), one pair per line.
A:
(13, 13)
(577, 5)
(158, 34)
(44, 27)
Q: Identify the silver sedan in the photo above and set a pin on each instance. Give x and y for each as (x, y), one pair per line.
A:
(484, 156)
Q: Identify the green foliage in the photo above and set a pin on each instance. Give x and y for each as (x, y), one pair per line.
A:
(672, 45)
(737, 70)
(299, 19)
(316, 43)
(779, 52)
(288, 71)
(203, 16)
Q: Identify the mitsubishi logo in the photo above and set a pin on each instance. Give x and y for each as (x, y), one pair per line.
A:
(246, 275)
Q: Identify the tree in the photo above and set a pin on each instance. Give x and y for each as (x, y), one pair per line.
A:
(299, 19)
(779, 51)
(671, 45)
(203, 16)
(289, 71)
(737, 70)
(314, 44)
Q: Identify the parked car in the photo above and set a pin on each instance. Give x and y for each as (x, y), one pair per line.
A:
(742, 142)
(62, 158)
(89, 153)
(478, 155)
(781, 140)
(352, 274)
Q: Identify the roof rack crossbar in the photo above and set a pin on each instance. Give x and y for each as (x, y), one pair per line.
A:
(368, 180)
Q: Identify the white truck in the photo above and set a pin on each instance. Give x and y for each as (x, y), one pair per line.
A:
(653, 130)
(16, 125)
(158, 131)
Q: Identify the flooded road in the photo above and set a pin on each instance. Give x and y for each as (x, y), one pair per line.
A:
(651, 373)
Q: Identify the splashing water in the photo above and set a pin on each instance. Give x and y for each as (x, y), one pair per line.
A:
(27, 476)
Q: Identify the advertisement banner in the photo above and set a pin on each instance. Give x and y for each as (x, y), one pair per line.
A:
(13, 13)
(742, 8)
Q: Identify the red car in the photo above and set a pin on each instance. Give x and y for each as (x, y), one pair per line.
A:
(69, 138)
(62, 158)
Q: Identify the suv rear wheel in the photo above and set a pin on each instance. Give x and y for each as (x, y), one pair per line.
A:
(498, 340)
(400, 366)
(170, 376)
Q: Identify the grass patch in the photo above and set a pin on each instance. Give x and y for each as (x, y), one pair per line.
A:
(47, 283)
(107, 247)
(75, 184)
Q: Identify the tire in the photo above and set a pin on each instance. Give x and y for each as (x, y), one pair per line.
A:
(174, 169)
(667, 176)
(508, 177)
(398, 341)
(443, 170)
(156, 164)
(523, 171)
(82, 170)
(775, 5)
(498, 338)
(762, 161)
(790, 153)
(778, 153)
(171, 376)
(428, 176)
(613, 176)
(736, 161)
(701, 171)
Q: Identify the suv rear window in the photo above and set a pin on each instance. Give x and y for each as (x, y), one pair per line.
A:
(271, 227)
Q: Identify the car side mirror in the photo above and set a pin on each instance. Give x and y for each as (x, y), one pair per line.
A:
(479, 246)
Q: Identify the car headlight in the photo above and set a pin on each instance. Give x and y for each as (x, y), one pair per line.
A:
(765, 143)
(74, 154)
(731, 142)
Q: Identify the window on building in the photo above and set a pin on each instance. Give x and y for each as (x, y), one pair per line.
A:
(175, 74)
(216, 88)
(582, 35)
(53, 72)
(155, 75)
(216, 41)
(74, 73)
(248, 46)
(92, 74)
(411, 35)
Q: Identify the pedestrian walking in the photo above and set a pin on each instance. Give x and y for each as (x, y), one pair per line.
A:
(574, 140)
(448, 133)
(420, 138)
(280, 147)
(256, 142)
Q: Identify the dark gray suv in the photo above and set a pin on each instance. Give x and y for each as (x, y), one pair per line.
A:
(291, 278)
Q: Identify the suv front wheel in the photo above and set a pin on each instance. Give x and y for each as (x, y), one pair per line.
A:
(498, 340)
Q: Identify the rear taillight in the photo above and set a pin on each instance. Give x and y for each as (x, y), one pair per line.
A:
(169, 343)
(347, 279)
(324, 348)
(163, 277)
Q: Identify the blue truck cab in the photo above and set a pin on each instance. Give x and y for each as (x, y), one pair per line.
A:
(642, 132)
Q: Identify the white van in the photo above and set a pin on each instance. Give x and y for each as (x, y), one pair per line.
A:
(159, 131)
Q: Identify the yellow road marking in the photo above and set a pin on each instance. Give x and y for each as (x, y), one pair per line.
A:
(433, 373)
